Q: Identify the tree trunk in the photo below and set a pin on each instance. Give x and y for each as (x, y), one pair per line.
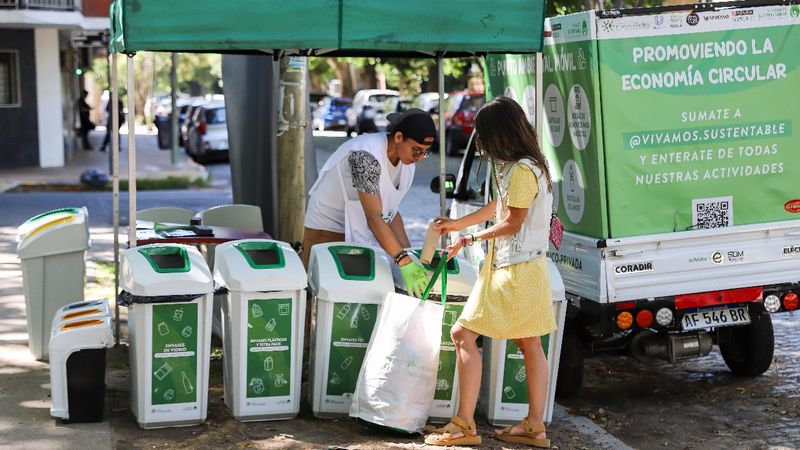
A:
(291, 148)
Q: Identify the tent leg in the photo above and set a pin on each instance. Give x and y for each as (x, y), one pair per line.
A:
(442, 146)
(115, 184)
(173, 123)
(131, 156)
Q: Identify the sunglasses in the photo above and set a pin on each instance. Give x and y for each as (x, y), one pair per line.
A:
(416, 153)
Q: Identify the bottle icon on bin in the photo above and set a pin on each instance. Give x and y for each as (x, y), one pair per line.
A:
(269, 364)
(365, 313)
(520, 376)
(177, 315)
(508, 391)
(256, 311)
(187, 383)
(346, 363)
(162, 371)
(271, 324)
(258, 385)
(280, 380)
(283, 309)
(169, 395)
(163, 329)
(186, 332)
(343, 312)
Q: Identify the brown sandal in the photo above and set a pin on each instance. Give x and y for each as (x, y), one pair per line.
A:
(443, 436)
(528, 438)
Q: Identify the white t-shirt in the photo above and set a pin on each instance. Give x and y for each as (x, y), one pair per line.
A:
(323, 215)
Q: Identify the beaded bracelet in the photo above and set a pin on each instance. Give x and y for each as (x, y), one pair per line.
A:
(398, 257)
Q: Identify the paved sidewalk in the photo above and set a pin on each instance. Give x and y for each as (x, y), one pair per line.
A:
(151, 163)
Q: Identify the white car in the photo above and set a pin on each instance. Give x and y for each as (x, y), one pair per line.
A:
(369, 110)
(208, 134)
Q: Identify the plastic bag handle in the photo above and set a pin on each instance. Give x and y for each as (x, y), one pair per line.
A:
(441, 269)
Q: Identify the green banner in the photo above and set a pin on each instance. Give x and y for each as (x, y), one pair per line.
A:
(573, 135)
(515, 385)
(350, 333)
(513, 76)
(174, 358)
(445, 376)
(720, 148)
(269, 347)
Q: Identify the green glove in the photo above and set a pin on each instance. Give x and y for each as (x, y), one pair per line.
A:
(416, 278)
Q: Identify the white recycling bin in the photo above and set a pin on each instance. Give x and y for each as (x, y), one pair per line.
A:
(168, 290)
(504, 390)
(461, 277)
(80, 310)
(52, 248)
(348, 283)
(263, 316)
(78, 368)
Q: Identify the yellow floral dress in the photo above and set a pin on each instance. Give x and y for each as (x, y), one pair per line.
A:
(514, 301)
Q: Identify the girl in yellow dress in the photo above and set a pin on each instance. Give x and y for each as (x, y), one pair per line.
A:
(512, 297)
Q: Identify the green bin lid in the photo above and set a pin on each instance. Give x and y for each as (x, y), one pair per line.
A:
(354, 263)
(167, 259)
(262, 255)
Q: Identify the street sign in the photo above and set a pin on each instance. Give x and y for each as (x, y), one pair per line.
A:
(82, 38)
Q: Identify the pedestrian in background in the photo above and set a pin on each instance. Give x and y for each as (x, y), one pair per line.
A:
(85, 124)
(110, 125)
(512, 298)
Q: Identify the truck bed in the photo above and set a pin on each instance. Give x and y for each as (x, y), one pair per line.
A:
(663, 265)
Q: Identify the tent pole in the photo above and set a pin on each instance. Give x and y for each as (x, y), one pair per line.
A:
(442, 146)
(115, 183)
(131, 156)
(173, 123)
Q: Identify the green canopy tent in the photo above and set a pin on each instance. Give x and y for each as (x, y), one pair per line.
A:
(412, 28)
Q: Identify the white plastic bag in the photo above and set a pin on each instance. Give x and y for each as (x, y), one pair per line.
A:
(397, 381)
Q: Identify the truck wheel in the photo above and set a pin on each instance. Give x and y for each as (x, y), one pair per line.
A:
(570, 364)
(748, 350)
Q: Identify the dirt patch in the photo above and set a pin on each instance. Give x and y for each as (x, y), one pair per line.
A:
(692, 405)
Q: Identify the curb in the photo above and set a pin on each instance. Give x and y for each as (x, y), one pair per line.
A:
(585, 427)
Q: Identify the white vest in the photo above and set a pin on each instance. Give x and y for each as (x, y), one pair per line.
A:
(356, 227)
(531, 241)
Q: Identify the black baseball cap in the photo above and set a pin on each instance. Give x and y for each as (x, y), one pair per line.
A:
(414, 123)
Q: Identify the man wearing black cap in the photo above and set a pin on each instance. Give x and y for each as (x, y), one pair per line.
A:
(358, 193)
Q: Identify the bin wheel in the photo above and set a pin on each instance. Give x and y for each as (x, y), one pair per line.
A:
(570, 364)
(748, 350)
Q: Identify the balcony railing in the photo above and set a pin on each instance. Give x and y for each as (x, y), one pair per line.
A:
(60, 5)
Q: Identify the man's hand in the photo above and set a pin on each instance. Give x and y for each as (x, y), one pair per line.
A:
(416, 278)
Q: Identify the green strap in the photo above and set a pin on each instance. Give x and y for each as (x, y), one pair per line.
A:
(441, 269)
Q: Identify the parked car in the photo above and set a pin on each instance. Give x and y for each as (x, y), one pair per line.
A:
(331, 114)
(185, 120)
(427, 101)
(369, 110)
(208, 138)
(461, 108)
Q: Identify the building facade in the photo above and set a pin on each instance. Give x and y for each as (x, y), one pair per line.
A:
(40, 77)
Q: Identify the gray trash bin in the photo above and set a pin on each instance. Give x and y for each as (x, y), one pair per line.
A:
(461, 277)
(349, 283)
(263, 319)
(168, 290)
(52, 248)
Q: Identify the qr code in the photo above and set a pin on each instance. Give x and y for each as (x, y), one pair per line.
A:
(712, 212)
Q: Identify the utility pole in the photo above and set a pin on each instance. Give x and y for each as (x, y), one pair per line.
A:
(173, 122)
(292, 113)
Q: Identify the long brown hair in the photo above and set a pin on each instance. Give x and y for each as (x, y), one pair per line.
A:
(504, 134)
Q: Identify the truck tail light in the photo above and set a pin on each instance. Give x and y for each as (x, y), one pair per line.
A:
(790, 301)
(201, 128)
(772, 303)
(624, 320)
(664, 317)
(644, 318)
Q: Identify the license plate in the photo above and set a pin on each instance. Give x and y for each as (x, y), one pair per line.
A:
(721, 317)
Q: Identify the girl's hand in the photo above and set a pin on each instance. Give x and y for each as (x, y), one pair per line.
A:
(444, 225)
(455, 247)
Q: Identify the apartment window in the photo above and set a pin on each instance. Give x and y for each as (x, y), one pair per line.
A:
(9, 78)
